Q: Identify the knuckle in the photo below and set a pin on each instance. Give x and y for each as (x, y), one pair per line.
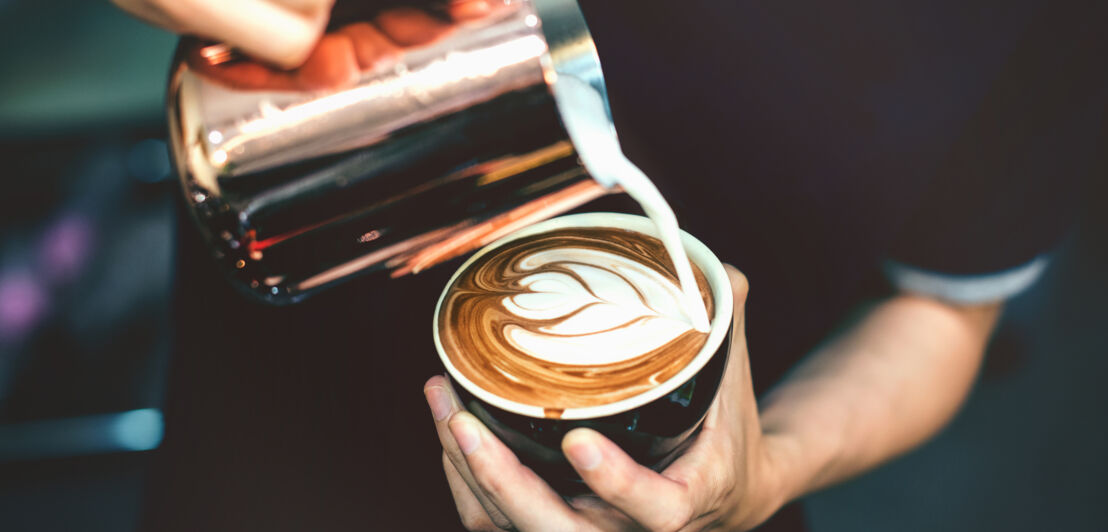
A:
(700, 482)
(708, 487)
(680, 518)
(721, 491)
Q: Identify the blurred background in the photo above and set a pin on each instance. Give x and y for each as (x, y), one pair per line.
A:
(87, 229)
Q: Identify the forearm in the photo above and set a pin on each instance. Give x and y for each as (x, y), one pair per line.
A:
(882, 387)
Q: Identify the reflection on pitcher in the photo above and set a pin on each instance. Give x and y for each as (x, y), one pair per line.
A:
(345, 54)
(409, 137)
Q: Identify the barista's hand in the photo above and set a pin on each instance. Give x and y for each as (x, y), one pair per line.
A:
(729, 478)
(281, 32)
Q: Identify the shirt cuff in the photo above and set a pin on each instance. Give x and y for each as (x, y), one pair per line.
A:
(966, 289)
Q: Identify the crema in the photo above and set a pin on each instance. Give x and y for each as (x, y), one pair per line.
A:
(570, 318)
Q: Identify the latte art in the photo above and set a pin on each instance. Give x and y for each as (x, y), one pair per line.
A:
(571, 318)
(600, 308)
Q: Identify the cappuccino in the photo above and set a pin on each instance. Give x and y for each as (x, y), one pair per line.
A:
(575, 317)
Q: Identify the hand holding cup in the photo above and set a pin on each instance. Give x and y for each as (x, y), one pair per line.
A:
(683, 452)
(727, 479)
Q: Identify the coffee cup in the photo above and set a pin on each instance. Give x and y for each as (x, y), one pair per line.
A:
(653, 426)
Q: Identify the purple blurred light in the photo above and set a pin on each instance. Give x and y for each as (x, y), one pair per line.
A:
(64, 248)
(23, 303)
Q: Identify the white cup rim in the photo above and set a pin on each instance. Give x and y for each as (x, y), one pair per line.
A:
(709, 264)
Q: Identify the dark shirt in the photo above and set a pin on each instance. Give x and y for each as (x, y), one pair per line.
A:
(807, 143)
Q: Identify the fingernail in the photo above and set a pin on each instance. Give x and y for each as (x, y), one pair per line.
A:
(583, 455)
(467, 436)
(439, 401)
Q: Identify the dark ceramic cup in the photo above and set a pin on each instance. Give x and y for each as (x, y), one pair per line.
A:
(653, 427)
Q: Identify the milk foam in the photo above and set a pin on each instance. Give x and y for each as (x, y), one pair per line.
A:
(603, 309)
(593, 136)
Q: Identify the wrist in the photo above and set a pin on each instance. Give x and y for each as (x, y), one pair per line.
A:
(805, 455)
(773, 482)
(785, 461)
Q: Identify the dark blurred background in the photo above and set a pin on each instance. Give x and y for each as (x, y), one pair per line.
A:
(87, 231)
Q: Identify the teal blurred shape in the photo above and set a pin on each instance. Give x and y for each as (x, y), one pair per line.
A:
(135, 430)
(74, 65)
(138, 430)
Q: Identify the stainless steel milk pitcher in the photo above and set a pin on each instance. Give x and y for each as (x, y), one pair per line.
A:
(380, 155)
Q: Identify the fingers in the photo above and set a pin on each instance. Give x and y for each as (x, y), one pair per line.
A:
(444, 405)
(371, 48)
(309, 7)
(408, 26)
(650, 499)
(284, 32)
(332, 64)
(740, 288)
(472, 513)
(469, 9)
(246, 75)
(260, 28)
(602, 515)
(527, 501)
(735, 410)
(337, 61)
(144, 10)
(738, 366)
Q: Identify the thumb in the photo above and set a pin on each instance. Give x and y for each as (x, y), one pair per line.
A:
(738, 385)
(263, 30)
(739, 290)
(650, 499)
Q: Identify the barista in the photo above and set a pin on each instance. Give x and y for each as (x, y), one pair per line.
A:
(919, 158)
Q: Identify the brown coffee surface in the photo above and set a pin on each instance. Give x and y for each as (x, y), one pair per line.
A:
(570, 318)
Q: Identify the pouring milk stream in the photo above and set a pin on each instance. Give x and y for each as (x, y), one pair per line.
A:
(599, 149)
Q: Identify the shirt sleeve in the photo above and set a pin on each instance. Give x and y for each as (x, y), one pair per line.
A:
(1010, 186)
